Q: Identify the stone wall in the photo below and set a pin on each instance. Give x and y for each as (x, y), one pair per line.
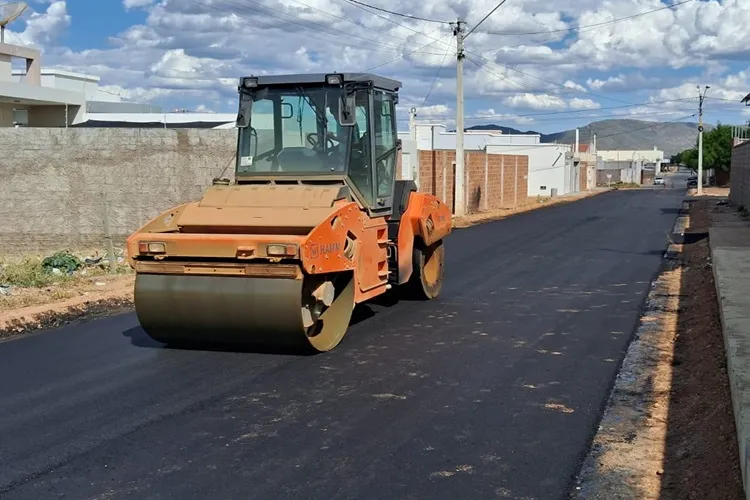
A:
(56, 180)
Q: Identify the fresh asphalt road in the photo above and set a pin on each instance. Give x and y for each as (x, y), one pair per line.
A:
(492, 391)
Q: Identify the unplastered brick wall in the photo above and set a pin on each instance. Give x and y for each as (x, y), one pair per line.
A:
(492, 181)
(739, 191)
(55, 181)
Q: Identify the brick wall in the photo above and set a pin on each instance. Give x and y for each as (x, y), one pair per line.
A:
(506, 181)
(739, 191)
(54, 180)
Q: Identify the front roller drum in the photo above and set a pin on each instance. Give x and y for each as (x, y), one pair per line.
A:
(309, 313)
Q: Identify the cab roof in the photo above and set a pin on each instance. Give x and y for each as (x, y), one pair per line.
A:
(313, 78)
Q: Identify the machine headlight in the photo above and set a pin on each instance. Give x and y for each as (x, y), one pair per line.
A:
(281, 250)
(151, 247)
(250, 82)
(334, 79)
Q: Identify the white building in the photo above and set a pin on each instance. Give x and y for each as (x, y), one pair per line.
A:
(551, 166)
(649, 159)
(37, 97)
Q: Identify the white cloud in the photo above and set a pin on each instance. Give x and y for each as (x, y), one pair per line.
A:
(577, 103)
(42, 29)
(575, 86)
(535, 101)
(194, 52)
(135, 4)
(490, 115)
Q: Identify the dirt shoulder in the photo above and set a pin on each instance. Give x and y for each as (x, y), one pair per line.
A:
(668, 430)
(33, 296)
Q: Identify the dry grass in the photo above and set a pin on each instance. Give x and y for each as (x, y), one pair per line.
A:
(626, 185)
(25, 282)
(721, 192)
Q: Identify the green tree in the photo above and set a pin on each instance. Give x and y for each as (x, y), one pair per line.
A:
(717, 150)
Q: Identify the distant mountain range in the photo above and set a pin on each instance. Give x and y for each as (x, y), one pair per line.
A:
(670, 137)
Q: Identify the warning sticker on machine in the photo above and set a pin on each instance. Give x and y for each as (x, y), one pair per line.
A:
(246, 161)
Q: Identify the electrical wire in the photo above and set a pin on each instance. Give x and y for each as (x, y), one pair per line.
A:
(608, 116)
(406, 54)
(349, 20)
(336, 32)
(337, 36)
(543, 79)
(559, 106)
(437, 75)
(392, 21)
(396, 13)
(485, 18)
(641, 104)
(592, 26)
(658, 124)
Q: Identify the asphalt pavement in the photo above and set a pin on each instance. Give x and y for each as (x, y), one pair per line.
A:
(492, 391)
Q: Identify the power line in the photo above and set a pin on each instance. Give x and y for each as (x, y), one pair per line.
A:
(643, 104)
(437, 74)
(407, 54)
(485, 18)
(658, 124)
(395, 22)
(396, 13)
(348, 20)
(519, 84)
(544, 80)
(337, 33)
(607, 116)
(594, 25)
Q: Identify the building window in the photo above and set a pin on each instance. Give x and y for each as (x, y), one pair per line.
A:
(21, 117)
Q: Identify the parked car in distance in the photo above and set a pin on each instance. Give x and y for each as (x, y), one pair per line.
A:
(692, 182)
(659, 181)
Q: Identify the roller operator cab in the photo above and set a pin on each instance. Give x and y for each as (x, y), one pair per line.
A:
(313, 223)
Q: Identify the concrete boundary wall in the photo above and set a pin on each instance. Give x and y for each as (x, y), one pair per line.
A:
(55, 181)
(739, 191)
(730, 255)
(62, 186)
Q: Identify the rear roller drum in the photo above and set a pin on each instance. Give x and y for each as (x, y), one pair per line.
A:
(428, 262)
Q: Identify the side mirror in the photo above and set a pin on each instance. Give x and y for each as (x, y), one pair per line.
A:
(346, 116)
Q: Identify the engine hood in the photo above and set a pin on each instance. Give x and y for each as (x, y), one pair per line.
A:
(280, 209)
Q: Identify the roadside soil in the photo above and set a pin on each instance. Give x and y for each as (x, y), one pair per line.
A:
(668, 429)
(702, 457)
(526, 205)
(30, 309)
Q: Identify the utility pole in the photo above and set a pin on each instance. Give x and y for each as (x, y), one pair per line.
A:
(458, 188)
(700, 138)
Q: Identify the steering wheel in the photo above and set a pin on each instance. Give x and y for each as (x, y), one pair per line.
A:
(316, 142)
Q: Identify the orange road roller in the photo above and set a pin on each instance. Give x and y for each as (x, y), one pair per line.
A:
(312, 223)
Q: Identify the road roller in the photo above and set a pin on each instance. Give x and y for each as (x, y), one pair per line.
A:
(312, 223)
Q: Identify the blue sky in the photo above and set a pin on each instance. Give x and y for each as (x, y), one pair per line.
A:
(533, 64)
